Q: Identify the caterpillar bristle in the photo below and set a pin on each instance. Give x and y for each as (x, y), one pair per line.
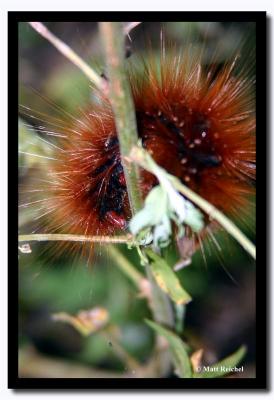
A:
(198, 124)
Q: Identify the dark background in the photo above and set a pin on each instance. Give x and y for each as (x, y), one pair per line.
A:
(221, 316)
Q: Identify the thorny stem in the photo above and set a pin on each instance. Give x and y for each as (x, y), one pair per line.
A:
(123, 107)
(99, 82)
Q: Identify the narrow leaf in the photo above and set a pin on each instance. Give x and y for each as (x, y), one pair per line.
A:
(177, 348)
(167, 279)
(222, 367)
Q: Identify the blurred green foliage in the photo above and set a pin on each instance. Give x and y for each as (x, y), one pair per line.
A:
(50, 283)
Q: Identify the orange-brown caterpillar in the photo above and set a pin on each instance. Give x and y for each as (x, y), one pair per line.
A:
(199, 125)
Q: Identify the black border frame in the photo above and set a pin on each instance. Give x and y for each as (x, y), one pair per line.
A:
(261, 380)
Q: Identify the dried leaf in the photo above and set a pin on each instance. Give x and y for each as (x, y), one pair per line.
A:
(86, 322)
(196, 359)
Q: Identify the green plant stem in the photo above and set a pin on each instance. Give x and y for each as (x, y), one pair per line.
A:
(160, 304)
(142, 158)
(162, 312)
(216, 215)
(110, 335)
(63, 48)
(126, 267)
(52, 237)
(158, 301)
(32, 364)
(122, 105)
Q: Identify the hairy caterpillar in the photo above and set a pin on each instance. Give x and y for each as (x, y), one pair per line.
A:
(197, 123)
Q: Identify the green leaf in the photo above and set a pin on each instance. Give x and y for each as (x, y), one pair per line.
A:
(163, 205)
(167, 279)
(194, 217)
(177, 348)
(223, 367)
(153, 211)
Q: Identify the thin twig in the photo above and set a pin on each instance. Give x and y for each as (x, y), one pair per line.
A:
(50, 237)
(99, 82)
(129, 26)
(218, 216)
(141, 157)
(110, 335)
(32, 364)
